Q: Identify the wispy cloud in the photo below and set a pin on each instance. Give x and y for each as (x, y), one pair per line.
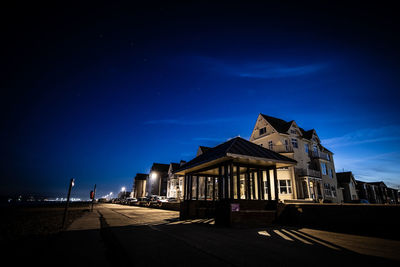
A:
(263, 70)
(182, 121)
(363, 136)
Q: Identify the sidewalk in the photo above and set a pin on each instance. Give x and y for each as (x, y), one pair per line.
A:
(83, 242)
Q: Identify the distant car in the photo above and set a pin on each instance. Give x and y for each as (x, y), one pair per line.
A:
(131, 200)
(143, 201)
(172, 199)
(162, 199)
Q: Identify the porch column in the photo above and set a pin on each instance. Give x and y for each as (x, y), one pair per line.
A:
(205, 187)
(190, 186)
(185, 188)
(226, 187)
(253, 188)
(220, 190)
(238, 181)
(269, 185)
(276, 184)
(213, 184)
(231, 180)
(197, 187)
(247, 187)
(260, 185)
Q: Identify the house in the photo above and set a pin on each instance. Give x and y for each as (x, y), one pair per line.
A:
(377, 192)
(156, 183)
(139, 185)
(313, 178)
(348, 184)
(175, 182)
(237, 175)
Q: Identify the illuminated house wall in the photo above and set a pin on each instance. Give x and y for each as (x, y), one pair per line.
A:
(314, 176)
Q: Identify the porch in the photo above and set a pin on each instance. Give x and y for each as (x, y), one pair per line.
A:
(232, 181)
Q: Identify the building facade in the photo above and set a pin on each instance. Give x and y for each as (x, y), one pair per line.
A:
(377, 193)
(156, 183)
(313, 178)
(139, 185)
(347, 184)
(175, 183)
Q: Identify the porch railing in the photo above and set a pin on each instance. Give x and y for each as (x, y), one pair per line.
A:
(281, 148)
(308, 172)
(319, 155)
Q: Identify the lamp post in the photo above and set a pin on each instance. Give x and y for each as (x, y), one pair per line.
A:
(71, 184)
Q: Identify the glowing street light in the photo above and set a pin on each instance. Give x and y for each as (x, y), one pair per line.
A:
(123, 189)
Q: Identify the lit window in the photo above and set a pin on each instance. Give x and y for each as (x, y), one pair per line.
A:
(323, 168)
(285, 187)
(294, 143)
(263, 131)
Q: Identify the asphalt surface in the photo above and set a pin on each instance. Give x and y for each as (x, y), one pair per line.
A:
(137, 236)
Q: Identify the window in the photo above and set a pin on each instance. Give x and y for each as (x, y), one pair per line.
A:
(330, 173)
(263, 131)
(315, 148)
(293, 131)
(323, 168)
(285, 187)
(306, 148)
(328, 157)
(333, 189)
(270, 145)
(327, 190)
(294, 143)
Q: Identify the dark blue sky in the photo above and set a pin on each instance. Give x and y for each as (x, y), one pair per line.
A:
(99, 93)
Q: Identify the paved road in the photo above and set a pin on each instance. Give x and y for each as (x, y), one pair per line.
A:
(153, 237)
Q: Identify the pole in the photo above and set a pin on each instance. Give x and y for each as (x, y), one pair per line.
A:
(71, 184)
(94, 196)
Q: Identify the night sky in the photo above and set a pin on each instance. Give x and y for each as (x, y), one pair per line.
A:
(99, 93)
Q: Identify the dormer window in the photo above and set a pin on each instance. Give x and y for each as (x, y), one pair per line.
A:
(263, 131)
(293, 131)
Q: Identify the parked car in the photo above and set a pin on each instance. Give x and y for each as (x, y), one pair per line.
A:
(143, 201)
(131, 200)
(172, 199)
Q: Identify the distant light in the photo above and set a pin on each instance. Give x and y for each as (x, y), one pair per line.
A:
(153, 175)
(123, 189)
(72, 182)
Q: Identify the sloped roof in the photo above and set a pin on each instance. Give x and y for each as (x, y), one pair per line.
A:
(175, 166)
(307, 134)
(160, 167)
(344, 177)
(204, 148)
(238, 146)
(141, 176)
(279, 124)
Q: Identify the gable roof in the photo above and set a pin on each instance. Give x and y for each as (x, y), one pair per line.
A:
(238, 146)
(160, 167)
(278, 124)
(174, 166)
(307, 134)
(141, 176)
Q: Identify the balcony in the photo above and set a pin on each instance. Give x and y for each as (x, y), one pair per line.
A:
(319, 155)
(282, 148)
(308, 172)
